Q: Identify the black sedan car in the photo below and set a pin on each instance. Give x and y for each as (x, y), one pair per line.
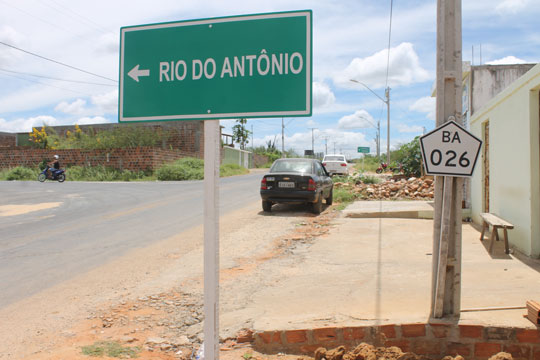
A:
(297, 181)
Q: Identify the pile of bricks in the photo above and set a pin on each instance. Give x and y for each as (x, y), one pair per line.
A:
(393, 189)
(533, 312)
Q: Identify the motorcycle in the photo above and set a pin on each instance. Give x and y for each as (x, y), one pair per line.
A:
(381, 168)
(53, 174)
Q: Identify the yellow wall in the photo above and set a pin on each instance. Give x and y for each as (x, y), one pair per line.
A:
(514, 159)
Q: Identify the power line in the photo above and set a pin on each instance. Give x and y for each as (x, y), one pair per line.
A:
(53, 78)
(39, 82)
(66, 10)
(56, 62)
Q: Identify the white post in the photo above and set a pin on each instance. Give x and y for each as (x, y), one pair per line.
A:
(211, 239)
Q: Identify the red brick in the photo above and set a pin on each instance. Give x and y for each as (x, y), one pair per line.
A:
(353, 333)
(324, 334)
(270, 337)
(536, 353)
(388, 330)
(528, 336)
(421, 347)
(486, 349)
(458, 349)
(296, 336)
(403, 344)
(244, 336)
(518, 351)
(413, 330)
(440, 330)
(470, 331)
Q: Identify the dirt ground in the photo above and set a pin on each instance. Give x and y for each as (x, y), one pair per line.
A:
(140, 301)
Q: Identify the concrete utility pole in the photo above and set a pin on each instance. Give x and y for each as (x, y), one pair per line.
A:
(446, 276)
(387, 93)
(282, 139)
(313, 142)
(326, 145)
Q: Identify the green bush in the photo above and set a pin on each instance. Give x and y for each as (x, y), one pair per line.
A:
(183, 169)
(231, 170)
(21, 173)
(101, 173)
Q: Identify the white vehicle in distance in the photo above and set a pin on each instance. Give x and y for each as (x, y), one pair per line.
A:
(336, 164)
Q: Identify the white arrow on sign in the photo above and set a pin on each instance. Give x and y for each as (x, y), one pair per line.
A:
(135, 73)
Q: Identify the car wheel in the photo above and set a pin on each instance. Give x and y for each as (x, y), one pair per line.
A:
(41, 177)
(317, 206)
(61, 177)
(330, 197)
(267, 206)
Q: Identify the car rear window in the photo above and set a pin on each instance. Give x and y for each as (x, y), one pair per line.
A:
(334, 158)
(291, 166)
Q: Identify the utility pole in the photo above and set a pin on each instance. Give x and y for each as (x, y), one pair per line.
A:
(326, 145)
(313, 142)
(446, 275)
(387, 93)
(252, 144)
(282, 139)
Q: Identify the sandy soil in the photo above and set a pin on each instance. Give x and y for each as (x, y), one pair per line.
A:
(152, 297)
(12, 210)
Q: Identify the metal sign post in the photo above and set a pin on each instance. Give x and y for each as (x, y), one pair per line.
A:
(211, 238)
(230, 67)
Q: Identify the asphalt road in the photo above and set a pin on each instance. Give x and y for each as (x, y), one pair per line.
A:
(95, 223)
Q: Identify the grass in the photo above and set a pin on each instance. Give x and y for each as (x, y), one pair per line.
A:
(111, 349)
(183, 169)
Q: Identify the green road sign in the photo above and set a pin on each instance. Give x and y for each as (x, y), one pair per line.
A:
(363, 149)
(230, 67)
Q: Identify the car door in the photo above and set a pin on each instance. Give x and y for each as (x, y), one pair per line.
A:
(324, 179)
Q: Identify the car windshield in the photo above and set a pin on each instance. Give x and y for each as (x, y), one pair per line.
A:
(291, 166)
(334, 158)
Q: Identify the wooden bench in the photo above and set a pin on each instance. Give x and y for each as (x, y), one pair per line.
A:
(497, 223)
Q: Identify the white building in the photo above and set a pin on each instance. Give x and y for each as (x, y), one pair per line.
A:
(506, 180)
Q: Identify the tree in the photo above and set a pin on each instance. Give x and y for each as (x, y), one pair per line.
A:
(240, 134)
(410, 157)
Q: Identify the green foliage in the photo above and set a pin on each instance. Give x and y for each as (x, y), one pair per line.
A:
(19, 173)
(371, 163)
(240, 134)
(231, 170)
(121, 136)
(110, 349)
(101, 173)
(344, 195)
(193, 169)
(183, 169)
(410, 157)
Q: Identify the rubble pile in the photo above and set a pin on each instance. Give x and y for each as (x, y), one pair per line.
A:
(393, 189)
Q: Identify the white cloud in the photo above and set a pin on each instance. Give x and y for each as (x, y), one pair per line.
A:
(361, 119)
(108, 44)
(512, 6)
(322, 95)
(106, 103)
(26, 124)
(12, 37)
(507, 61)
(402, 128)
(77, 107)
(425, 105)
(92, 120)
(405, 69)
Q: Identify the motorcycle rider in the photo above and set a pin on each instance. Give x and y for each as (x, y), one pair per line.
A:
(53, 166)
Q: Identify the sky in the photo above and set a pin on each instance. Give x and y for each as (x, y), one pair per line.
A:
(351, 39)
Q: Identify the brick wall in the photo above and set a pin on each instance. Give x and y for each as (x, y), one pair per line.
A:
(433, 340)
(7, 139)
(182, 135)
(136, 159)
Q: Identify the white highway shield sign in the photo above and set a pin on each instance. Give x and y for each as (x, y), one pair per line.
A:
(450, 150)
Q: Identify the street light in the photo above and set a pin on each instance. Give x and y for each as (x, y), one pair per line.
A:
(378, 137)
(387, 102)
